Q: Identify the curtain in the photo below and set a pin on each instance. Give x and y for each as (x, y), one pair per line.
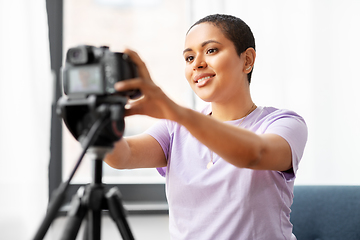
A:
(25, 112)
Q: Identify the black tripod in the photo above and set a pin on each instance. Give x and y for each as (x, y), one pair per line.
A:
(90, 201)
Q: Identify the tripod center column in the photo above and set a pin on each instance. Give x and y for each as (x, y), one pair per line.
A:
(97, 171)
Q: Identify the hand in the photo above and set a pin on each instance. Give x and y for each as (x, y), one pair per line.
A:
(153, 102)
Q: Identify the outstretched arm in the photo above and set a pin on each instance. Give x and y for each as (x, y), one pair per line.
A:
(238, 146)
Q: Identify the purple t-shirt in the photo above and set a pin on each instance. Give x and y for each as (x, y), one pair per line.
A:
(227, 202)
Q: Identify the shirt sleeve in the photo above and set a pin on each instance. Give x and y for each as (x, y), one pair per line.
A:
(293, 129)
(160, 132)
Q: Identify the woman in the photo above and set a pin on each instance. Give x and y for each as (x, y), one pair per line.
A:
(230, 168)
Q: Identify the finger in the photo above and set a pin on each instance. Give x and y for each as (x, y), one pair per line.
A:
(129, 84)
(133, 108)
(143, 71)
(130, 112)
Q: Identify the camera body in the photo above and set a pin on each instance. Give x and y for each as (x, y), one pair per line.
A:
(89, 75)
(91, 70)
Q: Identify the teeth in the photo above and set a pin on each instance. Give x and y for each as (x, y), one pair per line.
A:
(204, 78)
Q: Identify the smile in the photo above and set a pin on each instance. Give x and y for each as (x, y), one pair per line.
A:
(204, 78)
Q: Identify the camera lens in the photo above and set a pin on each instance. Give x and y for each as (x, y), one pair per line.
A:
(75, 53)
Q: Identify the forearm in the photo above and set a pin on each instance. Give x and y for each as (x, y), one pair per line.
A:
(119, 157)
(141, 151)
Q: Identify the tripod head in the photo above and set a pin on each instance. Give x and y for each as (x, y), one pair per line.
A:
(80, 114)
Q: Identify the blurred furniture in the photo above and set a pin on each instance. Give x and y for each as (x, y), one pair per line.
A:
(326, 212)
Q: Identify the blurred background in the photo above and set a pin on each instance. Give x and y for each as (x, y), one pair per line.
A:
(307, 61)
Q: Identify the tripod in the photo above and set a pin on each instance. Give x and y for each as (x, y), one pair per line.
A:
(90, 201)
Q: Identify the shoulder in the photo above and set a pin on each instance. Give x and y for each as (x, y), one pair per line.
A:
(276, 112)
(286, 123)
(283, 122)
(269, 115)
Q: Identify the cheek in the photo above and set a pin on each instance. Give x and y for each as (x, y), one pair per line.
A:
(220, 67)
(229, 67)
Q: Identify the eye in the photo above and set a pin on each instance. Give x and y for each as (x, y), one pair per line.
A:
(189, 58)
(211, 50)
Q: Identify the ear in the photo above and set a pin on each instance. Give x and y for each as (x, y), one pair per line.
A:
(250, 56)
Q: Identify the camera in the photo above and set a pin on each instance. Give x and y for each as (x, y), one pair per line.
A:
(93, 70)
(89, 75)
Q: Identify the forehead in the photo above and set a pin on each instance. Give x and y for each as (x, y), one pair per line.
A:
(204, 32)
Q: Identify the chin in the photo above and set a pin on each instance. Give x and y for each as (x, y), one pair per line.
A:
(201, 96)
(205, 96)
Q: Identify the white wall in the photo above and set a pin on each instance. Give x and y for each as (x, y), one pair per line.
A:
(307, 61)
(25, 105)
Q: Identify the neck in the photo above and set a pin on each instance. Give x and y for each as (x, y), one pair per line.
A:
(235, 104)
(224, 112)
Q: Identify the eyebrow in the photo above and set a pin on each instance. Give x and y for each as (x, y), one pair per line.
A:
(202, 45)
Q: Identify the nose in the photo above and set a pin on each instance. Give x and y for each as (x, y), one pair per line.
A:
(199, 63)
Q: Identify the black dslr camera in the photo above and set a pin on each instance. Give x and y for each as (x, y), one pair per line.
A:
(91, 70)
(89, 76)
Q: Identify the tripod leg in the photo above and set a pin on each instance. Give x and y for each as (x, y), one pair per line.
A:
(86, 231)
(117, 213)
(96, 200)
(57, 198)
(75, 216)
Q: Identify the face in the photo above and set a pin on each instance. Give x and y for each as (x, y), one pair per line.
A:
(213, 69)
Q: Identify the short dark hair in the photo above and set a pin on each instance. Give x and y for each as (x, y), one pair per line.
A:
(234, 29)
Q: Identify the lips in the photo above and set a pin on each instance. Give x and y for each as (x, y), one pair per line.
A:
(203, 77)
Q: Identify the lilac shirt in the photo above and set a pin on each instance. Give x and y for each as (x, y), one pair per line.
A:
(226, 202)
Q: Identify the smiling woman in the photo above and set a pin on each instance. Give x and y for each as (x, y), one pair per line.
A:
(232, 133)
